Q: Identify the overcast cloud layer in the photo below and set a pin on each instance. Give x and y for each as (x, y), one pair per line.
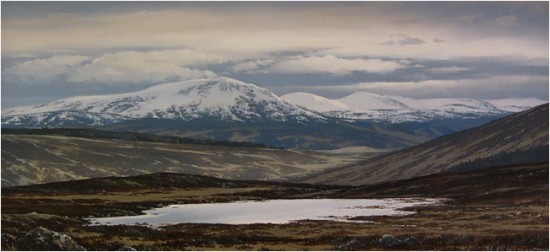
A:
(485, 50)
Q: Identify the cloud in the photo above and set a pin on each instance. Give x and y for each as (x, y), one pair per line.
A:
(410, 41)
(334, 65)
(180, 40)
(252, 66)
(494, 87)
(45, 70)
(507, 22)
(257, 29)
(448, 70)
(120, 67)
(247, 66)
(137, 73)
(404, 40)
(152, 66)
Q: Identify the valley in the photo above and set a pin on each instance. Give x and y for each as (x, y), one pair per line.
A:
(507, 212)
(68, 164)
(45, 157)
(519, 138)
(289, 126)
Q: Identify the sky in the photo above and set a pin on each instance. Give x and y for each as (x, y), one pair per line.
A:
(482, 50)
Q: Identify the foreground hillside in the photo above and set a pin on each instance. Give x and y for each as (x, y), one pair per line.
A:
(501, 208)
(32, 159)
(518, 138)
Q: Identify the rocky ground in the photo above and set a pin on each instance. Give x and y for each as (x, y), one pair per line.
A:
(504, 208)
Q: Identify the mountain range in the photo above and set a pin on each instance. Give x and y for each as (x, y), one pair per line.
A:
(221, 98)
(396, 109)
(225, 109)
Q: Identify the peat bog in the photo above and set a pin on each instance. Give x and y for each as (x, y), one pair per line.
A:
(507, 212)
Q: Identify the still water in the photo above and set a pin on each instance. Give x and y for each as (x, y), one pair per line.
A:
(270, 211)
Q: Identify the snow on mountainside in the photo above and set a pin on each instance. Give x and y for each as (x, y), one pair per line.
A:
(370, 101)
(516, 104)
(315, 102)
(466, 104)
(396, 109)
(220, 97)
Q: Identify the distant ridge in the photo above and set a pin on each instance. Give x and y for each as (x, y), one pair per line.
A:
(364, 106)
(127, 136)
(519, 138)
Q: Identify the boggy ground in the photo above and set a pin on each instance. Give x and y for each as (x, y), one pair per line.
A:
(503, 208)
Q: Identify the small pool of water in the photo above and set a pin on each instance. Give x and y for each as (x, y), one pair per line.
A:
(270, 211)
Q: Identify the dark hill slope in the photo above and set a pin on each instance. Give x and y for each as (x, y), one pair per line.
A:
(499, 184)
(149, 182)
(518, 138)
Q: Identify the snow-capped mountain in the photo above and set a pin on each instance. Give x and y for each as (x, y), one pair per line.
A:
(222, 98)
(370, 101)
(516, 104)
(315, 102)
(397, 109)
